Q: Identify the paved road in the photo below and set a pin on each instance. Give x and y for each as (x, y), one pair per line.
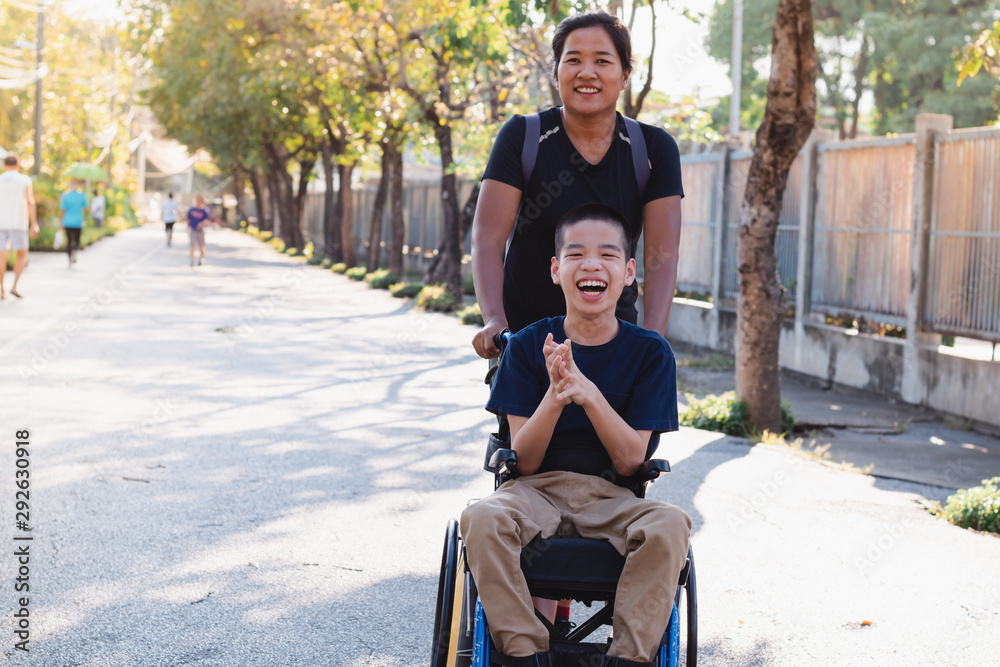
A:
(252, 463)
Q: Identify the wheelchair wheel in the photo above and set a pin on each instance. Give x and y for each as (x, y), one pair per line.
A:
(691, 593)
(453, 618)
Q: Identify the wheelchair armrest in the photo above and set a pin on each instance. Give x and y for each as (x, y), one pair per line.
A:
(653, 468)
(504, 462)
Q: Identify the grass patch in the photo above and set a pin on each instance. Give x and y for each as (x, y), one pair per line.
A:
(404, 290)
(381, 279)
(977, 508)
(436, 298)
(356, 273)
(715, 361)
(724, 414)
(810, 450)
(471, 315)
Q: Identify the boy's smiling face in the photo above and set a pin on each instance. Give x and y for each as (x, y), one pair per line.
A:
(592, 267)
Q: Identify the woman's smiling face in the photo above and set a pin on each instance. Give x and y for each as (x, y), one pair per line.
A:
(590, 73)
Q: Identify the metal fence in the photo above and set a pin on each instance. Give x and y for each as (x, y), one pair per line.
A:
(963, 272)
(858, 207)
(862, 228)
(786, 241)
(699, 211)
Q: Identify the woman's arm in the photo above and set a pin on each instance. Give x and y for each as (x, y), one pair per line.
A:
(662, 235)
(496, 212)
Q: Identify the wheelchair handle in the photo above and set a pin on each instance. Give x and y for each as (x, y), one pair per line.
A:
(501, 339)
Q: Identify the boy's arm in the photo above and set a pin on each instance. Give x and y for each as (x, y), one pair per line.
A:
(625, 445)
(530, 436)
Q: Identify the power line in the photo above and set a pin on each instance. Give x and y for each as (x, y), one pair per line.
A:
(28, 78)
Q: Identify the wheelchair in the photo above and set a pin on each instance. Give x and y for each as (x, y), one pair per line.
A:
(584, 570)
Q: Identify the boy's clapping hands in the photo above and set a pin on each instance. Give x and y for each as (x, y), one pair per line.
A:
(566, 382)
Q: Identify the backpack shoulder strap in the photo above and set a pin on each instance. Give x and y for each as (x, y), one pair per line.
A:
(529, 151)
(640, 158)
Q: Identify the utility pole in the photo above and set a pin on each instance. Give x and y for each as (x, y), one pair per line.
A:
(737, 71)
(39, 45)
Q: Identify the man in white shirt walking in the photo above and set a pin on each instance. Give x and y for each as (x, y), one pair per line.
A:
(17, 215)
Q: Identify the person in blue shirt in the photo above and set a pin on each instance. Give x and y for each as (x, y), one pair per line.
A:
(71, 207)
(586, 396)
(198, 217)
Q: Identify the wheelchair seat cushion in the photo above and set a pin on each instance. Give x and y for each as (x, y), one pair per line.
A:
(572, 567)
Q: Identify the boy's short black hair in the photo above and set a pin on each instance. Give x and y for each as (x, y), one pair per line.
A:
(598, 212)
(11, 160)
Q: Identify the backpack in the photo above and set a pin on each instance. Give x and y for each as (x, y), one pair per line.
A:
(529, 154)
(533, 135)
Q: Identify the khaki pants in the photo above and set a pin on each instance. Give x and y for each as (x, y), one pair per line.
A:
(653, 536)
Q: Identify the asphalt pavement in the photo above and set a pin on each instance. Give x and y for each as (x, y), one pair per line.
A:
(252, 463)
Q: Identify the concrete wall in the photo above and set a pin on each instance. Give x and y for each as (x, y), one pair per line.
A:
(956, 385)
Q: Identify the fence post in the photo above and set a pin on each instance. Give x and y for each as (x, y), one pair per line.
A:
(807, 226)
(720, 203)
(912, 389)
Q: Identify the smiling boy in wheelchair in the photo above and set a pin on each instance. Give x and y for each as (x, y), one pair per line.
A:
(586, 397)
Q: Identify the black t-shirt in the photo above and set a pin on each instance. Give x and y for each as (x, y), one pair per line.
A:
(561, 180)
(635, 372)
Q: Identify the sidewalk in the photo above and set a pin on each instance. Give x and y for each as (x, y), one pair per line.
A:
(900, 441)
(264, 455)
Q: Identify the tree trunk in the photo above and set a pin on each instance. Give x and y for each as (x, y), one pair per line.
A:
(285, 195)
(788, 120)
(259, 201)
(632, 108)
(273, 199)
(305, 175)
(239, 180)
(447, 266)
(860, 75)
(331, 223)
(378, 211)
(345, 211)
(469, 211)
(396, 206)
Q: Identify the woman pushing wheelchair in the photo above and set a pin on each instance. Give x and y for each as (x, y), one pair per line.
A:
(585, 151)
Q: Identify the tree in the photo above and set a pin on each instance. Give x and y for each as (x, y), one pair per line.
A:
(447, 54)
(788, 119)
(900, 54)
(983, 52)
(84, 78)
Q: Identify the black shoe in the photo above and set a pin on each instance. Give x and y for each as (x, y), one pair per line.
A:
(564, 626)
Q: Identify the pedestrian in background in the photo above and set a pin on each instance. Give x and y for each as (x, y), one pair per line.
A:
(168, 213)
(98, 208)
(18, 215)
(198, 217)
(71, 207)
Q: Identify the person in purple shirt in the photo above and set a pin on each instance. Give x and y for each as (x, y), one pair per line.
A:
(198, 218)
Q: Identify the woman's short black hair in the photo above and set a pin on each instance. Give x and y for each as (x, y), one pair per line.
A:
(616, 31)
(593, 211)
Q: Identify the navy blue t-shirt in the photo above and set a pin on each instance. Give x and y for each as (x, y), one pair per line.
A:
(635, 372)
(561, 180)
